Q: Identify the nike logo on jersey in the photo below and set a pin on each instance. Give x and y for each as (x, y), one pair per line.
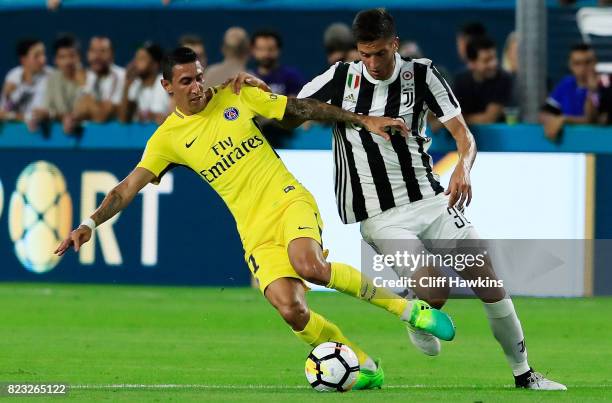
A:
(304, 227)
(189, 144)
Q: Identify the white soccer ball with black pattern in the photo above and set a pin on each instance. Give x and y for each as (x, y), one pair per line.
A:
(332, 366)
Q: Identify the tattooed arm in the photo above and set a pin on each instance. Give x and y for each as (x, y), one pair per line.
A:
(122, 195)
(299, 109)
(115, 201)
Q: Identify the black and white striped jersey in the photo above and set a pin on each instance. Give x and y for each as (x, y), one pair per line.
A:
(371, 174)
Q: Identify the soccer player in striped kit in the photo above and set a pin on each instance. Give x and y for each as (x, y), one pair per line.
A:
(389, 186)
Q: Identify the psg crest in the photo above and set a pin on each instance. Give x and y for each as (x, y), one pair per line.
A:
(231, 113)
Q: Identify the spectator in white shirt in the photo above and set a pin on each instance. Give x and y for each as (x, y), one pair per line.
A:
(104, 84)
(64, 84)
(24, 83)
(144, 99)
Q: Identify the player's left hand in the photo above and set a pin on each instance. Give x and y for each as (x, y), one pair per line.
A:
(459, 188)
(242, 78)
(384, 126)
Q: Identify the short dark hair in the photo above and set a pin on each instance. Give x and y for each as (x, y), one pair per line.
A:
(24, 45)
(154, 50)
(103, 37)
(374, 24)
(64, 41)
(190, 39)
(475, 45)
(267, 33)
(473, 29)
(580, 47)
(180, 55)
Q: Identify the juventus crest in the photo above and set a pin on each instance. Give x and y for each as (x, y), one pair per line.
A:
(408, 98)
(407, 88)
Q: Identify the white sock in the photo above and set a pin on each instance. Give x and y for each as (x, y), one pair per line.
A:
(369, 364)
(507, 330)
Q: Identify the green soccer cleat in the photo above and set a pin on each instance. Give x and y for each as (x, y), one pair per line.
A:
(368, 379)
(431, 320)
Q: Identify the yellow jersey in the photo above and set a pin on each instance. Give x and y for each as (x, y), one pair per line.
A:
(223, 145)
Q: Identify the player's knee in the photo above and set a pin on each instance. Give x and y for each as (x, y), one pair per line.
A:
(311, 268)
(435, 300)
(430, 288)
(436, 303)
(295, 313)
(491, 295)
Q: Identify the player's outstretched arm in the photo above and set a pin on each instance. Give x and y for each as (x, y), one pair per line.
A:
(311, 109)
(460, 187)
(115, 201)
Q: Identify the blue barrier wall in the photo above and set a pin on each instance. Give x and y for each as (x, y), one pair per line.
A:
(197, 242)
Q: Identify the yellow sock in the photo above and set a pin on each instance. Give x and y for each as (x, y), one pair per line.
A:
(319, 330)
(349, 280)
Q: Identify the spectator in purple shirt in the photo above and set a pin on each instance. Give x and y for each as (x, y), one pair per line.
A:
(576, 98)
(266, 48)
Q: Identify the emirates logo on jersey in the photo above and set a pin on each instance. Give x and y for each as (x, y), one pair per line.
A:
(229, 155)
(353, 80)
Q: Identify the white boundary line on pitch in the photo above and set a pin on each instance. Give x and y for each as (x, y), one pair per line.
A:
(296, 387)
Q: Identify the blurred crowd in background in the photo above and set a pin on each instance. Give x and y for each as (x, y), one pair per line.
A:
(84, 83)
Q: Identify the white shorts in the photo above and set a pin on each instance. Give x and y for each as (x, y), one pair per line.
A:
(425, 219)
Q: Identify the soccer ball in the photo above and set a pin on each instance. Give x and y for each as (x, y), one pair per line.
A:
(40, 215)
(332, 366)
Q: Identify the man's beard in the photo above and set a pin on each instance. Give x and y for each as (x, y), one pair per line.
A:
(266, 63)
(145, 74)
(102, 69)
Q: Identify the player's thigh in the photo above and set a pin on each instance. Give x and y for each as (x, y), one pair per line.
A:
(270, 262)
(451, 232)
(397, 241)
(387, 237)
(302, 234)
(301, 219)
(395, 223)
(395, 232)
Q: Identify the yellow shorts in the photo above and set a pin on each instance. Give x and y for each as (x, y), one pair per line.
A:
(270, 260)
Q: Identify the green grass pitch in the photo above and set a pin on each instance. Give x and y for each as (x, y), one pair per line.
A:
(120, 343)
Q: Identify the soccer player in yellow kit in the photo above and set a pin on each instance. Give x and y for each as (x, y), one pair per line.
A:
(213, 133)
